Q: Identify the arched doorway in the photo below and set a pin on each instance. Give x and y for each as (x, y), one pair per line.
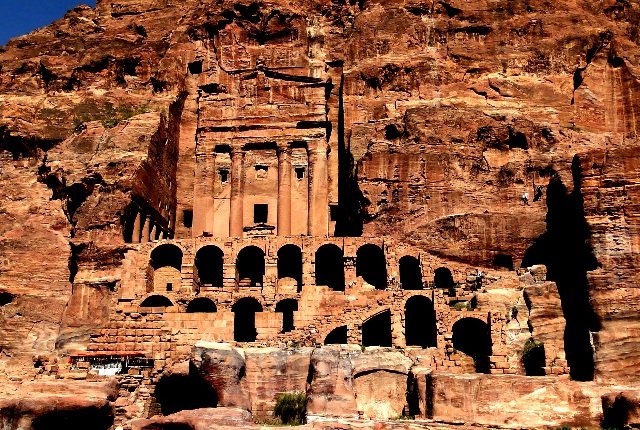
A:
(410, 273)
(420, 322)
(338, 336)
(287, 307)
(372, 266)
(244, 320)
(330, 267)
(209, 263)
(290, 263)
(442, 278)
(250, 266)
(473, 337)
(166, 262)
(201, 305)
(376, 331)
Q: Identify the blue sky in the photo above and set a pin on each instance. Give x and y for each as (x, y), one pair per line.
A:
(18, 17)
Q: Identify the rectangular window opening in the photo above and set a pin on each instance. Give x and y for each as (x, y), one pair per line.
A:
(169, 286)
(187, 218)
(195, 68)
(224, 175)
(260, 213)
(300, 172)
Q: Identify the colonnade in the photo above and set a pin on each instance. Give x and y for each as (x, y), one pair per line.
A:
(318, 206)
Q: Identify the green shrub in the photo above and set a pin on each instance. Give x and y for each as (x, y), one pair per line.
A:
(533, 358)
(111, 116)
(291, 408)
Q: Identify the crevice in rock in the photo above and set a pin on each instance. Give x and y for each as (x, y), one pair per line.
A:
(564, 248)
(89, 418)
(604, 39)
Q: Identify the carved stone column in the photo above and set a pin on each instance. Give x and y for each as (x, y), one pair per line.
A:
(203, 209)
(318, 190)
(135, 236)
(146, 230)
(236, 220)
(284, 191)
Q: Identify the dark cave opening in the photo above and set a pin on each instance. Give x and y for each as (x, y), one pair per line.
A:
(564, 248)
(443, 278)
(89, 418)
(615, 413)
(472, 337)
(290, 263)
(410, 273)
(244, 320)
(178, 392)
(209, 266)
(338, 336)
(420, 322)
(287, 307)
(372, 266)
(376, 331)
(251, 265)
(330, 267)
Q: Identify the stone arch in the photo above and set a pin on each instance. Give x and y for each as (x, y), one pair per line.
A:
(244, 320)
(330, 266)
(376, 330)
(443, 278)
(156, 301)
(165, 262)
(209, 266)
(290, 263)
(287, 307)
(250, 265)
(420, 322)
(410, 273)
(337, 336)
(371, 264)
(472, 337)
(201, 305)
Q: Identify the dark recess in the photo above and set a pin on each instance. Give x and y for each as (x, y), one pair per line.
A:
(376, 331)
(338, 336)
(420, 322)
(472, 337)
(177, 392)
(564, 248)
(89, 418)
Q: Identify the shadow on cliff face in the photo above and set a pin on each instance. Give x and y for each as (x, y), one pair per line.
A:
(349, 215)
(181, 392)
(565, 250)
(91, 418)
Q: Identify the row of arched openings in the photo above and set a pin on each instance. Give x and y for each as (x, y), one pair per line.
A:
(244, 309)
(329, 266)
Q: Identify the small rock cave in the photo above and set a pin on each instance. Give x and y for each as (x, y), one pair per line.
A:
(615, 413)
(376, 331)
(89, 418)
(179, 392)
(564, 248)
(472, 337)
(5, 298)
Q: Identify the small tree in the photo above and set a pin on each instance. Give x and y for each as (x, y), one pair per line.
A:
(533, 358)
(291, 408)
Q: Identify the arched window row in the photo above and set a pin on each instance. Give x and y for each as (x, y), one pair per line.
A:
(328, 268)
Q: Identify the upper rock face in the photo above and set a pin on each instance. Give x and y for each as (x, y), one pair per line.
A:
(447, 111)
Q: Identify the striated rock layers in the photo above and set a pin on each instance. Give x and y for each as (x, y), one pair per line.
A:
(422, 121)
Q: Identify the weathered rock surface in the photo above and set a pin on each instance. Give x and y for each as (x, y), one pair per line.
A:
(199, 419)
(48, 405)
(448, 113)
